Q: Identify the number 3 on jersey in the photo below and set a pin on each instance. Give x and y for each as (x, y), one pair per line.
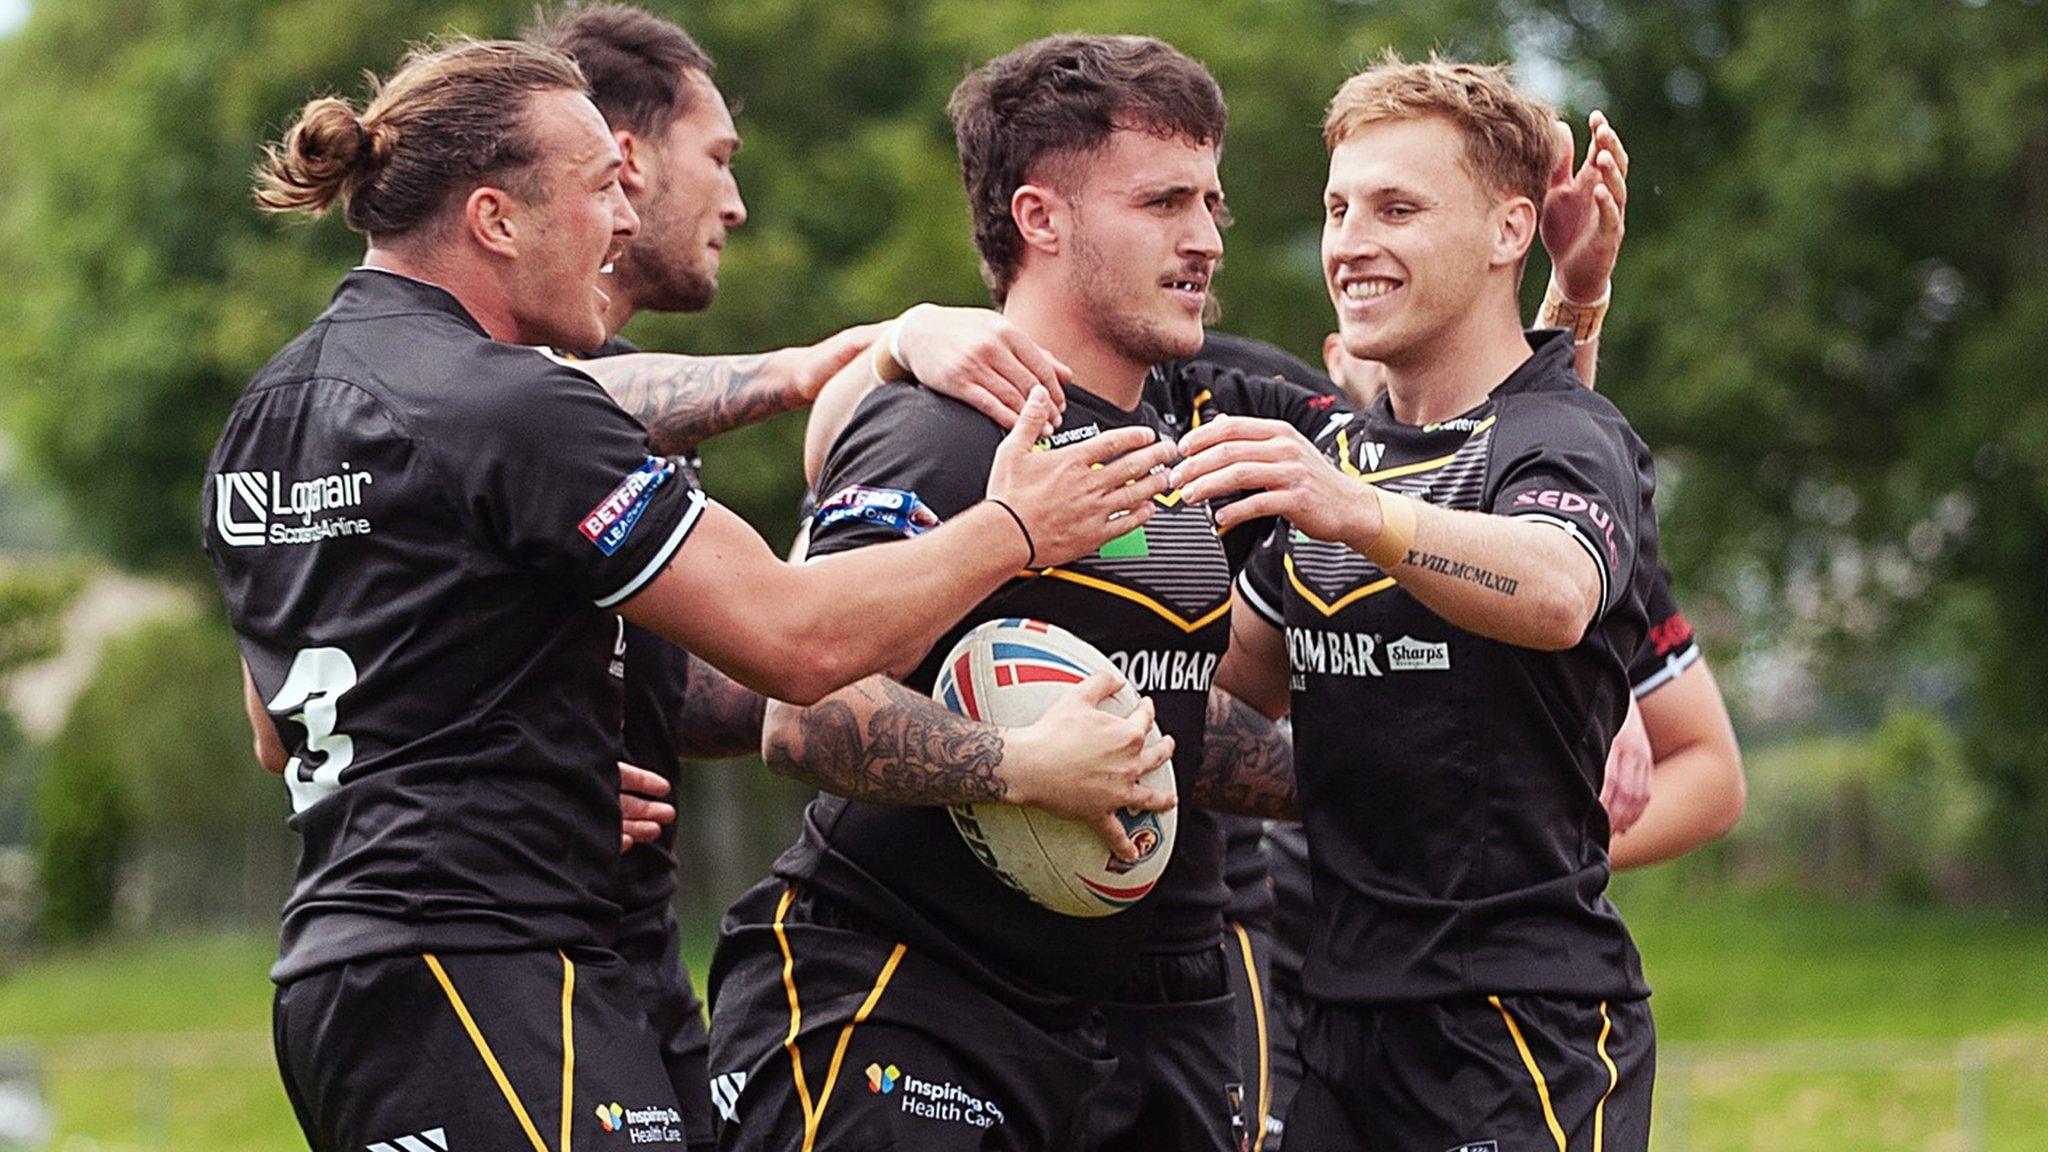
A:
(312, 687)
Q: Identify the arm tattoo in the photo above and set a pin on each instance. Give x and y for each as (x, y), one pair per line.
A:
(720, 718)
(686, 400)
(911, 750)
(1247, 763)
(1459, 570)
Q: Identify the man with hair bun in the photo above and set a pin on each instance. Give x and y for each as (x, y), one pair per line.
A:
(1449, 614)
(425, 531)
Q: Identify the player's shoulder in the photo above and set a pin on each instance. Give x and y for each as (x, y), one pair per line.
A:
(1546, 398)
(901, 412)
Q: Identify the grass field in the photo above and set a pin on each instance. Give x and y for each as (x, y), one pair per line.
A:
(1785, 1026)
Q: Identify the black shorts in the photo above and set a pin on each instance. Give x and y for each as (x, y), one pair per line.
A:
(826, 1036)
(513, 1051)
(1285, 1007)
(677, 1017)
(1500, 1074)
(1179, 1080)
(1260, 1036)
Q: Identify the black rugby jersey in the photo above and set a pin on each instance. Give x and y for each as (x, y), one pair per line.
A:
(420, 533)
(1451, 783)
(657, 675)
(1671, 647)
(1155, 601)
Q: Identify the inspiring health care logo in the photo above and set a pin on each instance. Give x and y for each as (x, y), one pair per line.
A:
(938, 1100)
(655, 1125)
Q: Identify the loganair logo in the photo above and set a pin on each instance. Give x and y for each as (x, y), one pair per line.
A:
(251, 509)
(939, 1100)
(431, 1140)
(608, 524)
(657, 1125)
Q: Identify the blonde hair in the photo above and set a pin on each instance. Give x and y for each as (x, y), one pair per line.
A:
(1509, 146)
(451, 118)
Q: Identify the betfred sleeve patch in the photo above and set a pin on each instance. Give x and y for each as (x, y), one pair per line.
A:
(896, 509)
(612, 520)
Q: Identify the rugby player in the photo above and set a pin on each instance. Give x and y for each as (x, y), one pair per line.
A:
(421, 526)
(881, 941)
(677, 142)
(1460, 583)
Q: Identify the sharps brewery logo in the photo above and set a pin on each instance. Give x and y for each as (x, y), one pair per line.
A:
(249, 508)
(656, 1125)
(1411, 655)
(940, 1100)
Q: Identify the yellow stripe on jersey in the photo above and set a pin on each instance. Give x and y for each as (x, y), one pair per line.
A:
(1136, 597)
(1331, 608)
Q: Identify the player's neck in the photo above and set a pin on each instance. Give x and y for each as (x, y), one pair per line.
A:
(620, 311)
(1052, 321)
(1456, 371)
(481, 296)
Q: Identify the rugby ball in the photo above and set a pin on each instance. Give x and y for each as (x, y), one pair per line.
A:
(1009, 672)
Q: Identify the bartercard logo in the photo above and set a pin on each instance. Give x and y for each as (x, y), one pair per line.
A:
(608, 524)
(251, 509)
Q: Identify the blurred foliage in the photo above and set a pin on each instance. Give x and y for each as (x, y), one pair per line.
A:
(1828, 316)
(153, 767)
(32, 602)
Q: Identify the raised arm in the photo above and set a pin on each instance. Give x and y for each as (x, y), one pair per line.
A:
(879, 741)
(686, 400)
(1582, 226)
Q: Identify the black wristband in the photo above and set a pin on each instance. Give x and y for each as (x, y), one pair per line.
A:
(1030, 561)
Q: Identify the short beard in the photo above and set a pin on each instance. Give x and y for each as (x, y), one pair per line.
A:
(1136, 338)
(655, 286)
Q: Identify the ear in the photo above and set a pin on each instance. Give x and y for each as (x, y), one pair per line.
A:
(491, 216)
(1333, 356)
(1514, 229)
(1042, 217)
(633, 174)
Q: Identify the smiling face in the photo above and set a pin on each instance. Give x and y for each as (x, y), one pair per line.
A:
(688, 199)
(572, 230)
(1411, 239)
(1143, 242)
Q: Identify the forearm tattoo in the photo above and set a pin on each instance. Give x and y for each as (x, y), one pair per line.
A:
(1247, 763)
(1459, 570)
(686, 400)
(910, 750)
(720, 718)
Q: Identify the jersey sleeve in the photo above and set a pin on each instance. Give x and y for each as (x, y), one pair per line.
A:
(1575, 468)
(907, 461)
(553, 476)
(1670, 648)
(1262, 581)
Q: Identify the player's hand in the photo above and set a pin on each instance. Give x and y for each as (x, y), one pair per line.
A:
(1283, 473)
(1083, 763)
(1067, 497)
(641, 818)
(1630, 764)
(1585, 211)
(812, 365)
(979, 358)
